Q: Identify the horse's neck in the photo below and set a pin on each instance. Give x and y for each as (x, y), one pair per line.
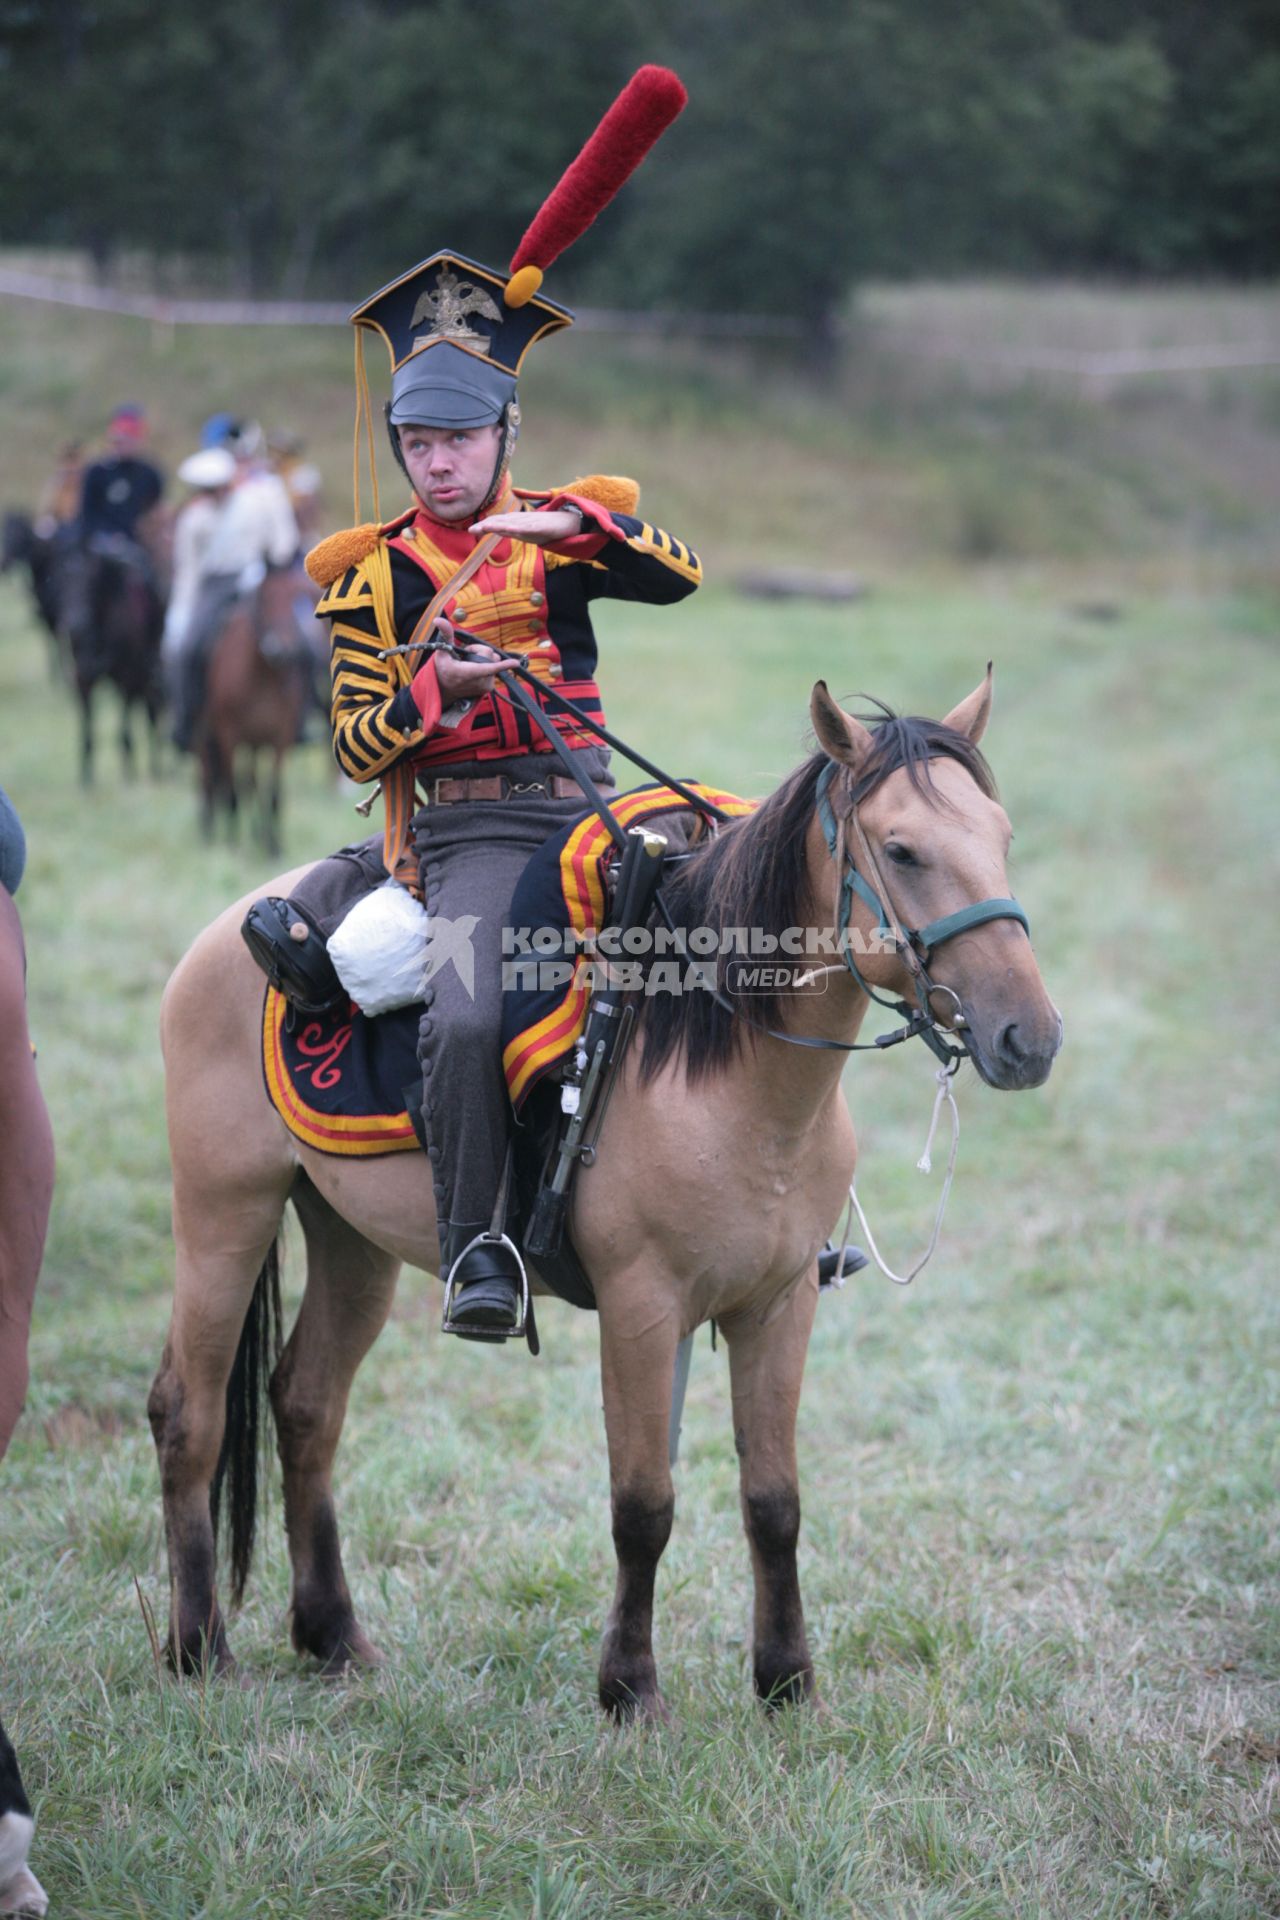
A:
(793, 1086)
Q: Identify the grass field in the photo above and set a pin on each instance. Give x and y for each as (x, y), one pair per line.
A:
(1040, 1536)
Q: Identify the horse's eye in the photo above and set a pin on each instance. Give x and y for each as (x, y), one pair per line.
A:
(901, 856)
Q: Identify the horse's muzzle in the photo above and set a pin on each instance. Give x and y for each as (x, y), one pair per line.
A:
(1019, 1054)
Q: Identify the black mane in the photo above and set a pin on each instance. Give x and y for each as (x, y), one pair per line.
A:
(752, 873)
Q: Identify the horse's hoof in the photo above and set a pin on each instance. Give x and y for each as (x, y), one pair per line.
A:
(786, 1690)
(337, 1645)
(358, 1653)
(205, 1663)
(24, 1895)
(630, 1706)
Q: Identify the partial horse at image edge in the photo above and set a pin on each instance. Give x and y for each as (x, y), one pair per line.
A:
(26, 1190)
(751, 1151)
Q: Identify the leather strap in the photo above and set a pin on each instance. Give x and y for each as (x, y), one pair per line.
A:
(398, 793)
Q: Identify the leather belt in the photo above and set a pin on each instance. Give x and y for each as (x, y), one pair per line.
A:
(447, 792)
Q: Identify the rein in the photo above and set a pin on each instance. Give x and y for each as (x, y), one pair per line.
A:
(914, 945)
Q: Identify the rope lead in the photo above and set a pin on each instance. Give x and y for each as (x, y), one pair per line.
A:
(944, 1077)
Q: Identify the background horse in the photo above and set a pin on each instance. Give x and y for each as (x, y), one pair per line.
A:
(256, 691)
(724, 1160)
(112, 615)
(26, 1187)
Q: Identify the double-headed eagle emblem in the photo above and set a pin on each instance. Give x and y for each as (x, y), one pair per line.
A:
(447, 306)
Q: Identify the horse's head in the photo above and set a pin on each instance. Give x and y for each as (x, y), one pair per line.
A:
(276, 617)
(919, 820)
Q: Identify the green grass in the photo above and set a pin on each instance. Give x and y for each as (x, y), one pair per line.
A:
(1039, 1487)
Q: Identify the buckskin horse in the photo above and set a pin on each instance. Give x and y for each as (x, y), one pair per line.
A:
(255, 692)
(723, 1163)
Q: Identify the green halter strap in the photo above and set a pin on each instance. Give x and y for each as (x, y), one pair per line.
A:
(923, 939)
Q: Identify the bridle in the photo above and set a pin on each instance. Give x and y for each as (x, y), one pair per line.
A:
(915, 946)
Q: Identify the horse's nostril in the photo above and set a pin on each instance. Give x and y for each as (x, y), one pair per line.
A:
(1009, 1045)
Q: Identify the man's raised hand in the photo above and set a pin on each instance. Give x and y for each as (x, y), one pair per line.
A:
(542, 528)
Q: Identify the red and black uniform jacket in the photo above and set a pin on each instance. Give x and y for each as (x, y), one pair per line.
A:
(530, 600)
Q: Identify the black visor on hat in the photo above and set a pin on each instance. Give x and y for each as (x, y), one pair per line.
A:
(447, 387)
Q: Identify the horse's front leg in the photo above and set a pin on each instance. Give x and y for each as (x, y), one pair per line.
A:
(128, 758)
(86, 733)
(273, 803)
(766, 1362)
(638, 1339)
(20, 1891)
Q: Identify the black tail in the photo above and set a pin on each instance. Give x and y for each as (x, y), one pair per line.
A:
(248, 1404)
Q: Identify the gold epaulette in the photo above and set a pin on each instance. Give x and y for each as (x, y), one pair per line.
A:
(329, 560)
(612, 491)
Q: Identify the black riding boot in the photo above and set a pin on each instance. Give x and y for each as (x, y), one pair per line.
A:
(832, 1270)
(485, 1286)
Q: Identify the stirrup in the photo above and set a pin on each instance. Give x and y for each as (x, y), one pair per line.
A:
(447, 1322)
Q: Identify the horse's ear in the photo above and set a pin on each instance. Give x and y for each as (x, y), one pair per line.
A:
(840, 736)
(971, 716)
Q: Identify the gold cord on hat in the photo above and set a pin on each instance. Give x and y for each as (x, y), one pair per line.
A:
(364, 417)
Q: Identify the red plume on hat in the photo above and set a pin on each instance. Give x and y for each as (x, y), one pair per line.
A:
(638, 117)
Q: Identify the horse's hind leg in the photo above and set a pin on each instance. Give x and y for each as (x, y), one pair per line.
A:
(350, 1284)
(232, 1173)
(637, 1361)
(222, 1249)
(766, 1363)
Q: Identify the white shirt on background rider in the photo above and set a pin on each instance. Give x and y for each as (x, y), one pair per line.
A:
(256, 526)
(193, 530)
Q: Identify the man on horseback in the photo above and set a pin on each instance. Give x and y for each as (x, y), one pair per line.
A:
(255, 530)
(120, 491)
(117, 520)
(494, 568)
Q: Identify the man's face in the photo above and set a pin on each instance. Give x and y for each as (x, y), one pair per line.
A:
(451, 467)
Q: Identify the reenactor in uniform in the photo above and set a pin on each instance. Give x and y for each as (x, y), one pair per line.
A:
(517, 569)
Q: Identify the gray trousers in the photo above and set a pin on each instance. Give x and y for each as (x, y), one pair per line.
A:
(472, 854)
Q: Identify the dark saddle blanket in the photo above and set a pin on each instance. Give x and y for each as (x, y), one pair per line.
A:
(341, 1083)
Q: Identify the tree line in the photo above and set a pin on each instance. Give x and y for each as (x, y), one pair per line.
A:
(316, 149)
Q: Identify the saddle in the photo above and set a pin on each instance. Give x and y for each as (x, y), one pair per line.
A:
(348, 1085)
